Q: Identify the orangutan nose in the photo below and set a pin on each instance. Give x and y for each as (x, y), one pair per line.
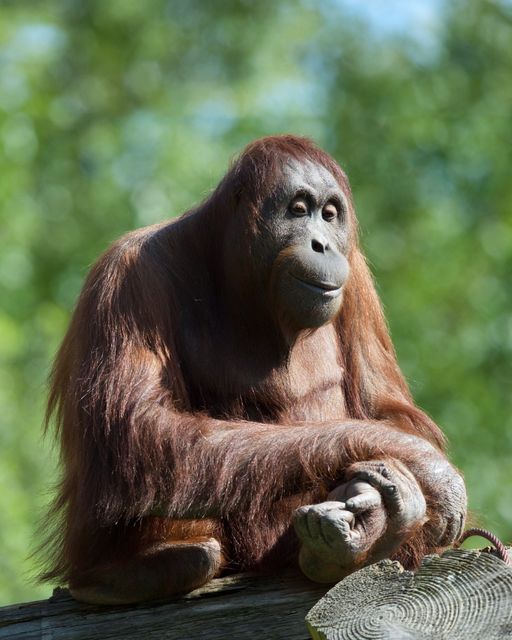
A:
(319, 246)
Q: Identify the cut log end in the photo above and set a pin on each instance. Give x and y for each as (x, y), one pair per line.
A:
(461, 594)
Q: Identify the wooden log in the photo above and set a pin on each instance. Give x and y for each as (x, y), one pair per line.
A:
(461, 594)
(240, 607)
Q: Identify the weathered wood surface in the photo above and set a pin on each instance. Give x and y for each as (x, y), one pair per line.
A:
(235, 607)
(461, 594)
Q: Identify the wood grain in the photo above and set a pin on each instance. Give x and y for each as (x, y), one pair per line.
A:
(461, 594)
(237, 607)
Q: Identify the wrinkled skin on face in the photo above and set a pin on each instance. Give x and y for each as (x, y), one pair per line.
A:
(305, 237)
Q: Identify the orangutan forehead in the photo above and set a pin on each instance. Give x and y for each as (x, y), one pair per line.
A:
(306, 174)
(307, 177)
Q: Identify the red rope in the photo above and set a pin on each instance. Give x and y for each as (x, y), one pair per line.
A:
(502, 552)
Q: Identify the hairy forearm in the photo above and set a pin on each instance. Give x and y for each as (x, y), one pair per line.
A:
(241, 465)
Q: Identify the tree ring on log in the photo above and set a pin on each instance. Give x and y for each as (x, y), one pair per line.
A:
(460, 594)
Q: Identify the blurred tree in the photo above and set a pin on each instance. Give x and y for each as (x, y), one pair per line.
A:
(118, 114)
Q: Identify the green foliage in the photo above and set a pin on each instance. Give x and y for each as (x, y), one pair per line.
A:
(118, 114)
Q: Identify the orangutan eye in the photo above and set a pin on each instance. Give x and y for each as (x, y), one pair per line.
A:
(299, 207)
(329, 212)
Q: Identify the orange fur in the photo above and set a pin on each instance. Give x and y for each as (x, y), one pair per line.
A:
(170, 391)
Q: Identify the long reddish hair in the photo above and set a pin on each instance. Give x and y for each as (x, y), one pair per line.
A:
(120, 398)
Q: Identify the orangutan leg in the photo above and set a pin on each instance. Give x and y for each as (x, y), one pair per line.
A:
(158, 572)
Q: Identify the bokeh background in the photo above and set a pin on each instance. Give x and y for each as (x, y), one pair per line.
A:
(116, 114)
